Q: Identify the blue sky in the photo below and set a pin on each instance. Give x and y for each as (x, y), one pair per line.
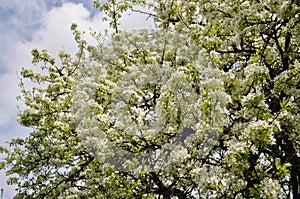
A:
(43, 24)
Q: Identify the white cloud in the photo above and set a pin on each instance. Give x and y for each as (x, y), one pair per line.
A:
(19, 18)
(8, 191)
(135, 20)
(56, 34)
(7, 90)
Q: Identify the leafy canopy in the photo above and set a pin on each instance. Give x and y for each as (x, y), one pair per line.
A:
(204, 105)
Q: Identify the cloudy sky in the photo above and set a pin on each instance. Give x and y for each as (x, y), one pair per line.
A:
(43, 24)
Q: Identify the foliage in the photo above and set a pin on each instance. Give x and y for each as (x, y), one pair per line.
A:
(206, 105)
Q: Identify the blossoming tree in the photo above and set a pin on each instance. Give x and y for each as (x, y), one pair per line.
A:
(204, 105)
